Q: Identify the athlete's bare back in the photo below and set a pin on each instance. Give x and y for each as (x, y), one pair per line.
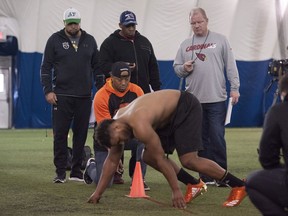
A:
(155, 108)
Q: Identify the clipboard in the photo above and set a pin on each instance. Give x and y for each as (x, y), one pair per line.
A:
(229, 111)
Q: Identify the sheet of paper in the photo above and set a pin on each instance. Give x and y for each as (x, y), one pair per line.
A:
(229, 111)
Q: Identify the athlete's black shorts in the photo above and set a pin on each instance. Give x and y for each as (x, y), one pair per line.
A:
(183, 133)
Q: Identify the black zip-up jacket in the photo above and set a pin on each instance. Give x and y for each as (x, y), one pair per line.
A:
(274, 140)
(66, 71)
(139, 51)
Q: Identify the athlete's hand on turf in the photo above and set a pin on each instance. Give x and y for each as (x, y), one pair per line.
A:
(94, 198)
(178, 200)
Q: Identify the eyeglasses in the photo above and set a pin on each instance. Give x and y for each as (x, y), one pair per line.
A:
(130, 25)
(199, 23)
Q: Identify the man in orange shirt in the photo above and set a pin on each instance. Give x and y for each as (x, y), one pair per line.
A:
(117, 92)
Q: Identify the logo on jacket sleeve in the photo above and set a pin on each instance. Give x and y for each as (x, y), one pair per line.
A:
(65, 45)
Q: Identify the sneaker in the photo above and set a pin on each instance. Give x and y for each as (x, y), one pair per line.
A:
(77, 176)
(146, 187)
(86, 177)
(220, 184)
(59, 179)
(118, 179)
(194, 190)
(207, 180)
(210, 183)
(236, 196)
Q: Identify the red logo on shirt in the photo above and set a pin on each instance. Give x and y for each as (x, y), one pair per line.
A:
(201, 56)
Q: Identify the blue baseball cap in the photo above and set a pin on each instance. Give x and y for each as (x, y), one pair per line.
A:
(128, 17)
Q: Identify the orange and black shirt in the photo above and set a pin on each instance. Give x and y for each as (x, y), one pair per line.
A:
(107, 101)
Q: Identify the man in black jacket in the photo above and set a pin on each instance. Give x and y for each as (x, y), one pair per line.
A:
(128, 45)
(70, 59)
(268, 188)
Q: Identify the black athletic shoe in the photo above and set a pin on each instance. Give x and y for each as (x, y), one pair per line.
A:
(59, 179)
(86, 177)
(77, 176)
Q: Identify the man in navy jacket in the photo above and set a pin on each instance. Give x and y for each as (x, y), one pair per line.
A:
(128, 45)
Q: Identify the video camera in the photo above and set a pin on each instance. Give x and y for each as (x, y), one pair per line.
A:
(278, 68)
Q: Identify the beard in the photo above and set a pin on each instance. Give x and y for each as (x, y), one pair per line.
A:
(73, 33)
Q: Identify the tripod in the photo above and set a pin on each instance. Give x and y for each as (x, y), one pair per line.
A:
(277, 73)
(275, 95)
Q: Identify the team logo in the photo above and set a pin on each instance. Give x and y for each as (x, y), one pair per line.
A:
(65, 45)
(71, 14)
(201, 56)
(129, 17)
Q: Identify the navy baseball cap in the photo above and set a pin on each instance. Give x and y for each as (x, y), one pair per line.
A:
(128, 17)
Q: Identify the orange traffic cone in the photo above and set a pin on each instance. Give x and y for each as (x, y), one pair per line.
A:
(137, 187)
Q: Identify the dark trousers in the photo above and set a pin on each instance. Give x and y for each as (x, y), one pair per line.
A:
(70, 112)
(268, 191)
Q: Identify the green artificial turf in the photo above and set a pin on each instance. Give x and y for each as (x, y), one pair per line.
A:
(27, 170)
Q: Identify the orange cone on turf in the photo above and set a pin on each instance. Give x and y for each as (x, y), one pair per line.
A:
(137, 187)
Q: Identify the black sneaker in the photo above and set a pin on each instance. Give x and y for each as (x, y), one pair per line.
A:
(86, 177)
(146, 187)
(59, 179)
(78, 176)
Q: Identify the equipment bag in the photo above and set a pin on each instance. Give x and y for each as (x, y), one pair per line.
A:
(86, 154)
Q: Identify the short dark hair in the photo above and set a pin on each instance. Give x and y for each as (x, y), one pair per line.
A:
(102, 134)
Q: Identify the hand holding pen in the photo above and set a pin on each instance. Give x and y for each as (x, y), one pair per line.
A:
(188, 66)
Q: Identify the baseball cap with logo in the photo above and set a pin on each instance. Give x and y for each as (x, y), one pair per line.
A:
(120, 69)
(71, 15)
(128, 17)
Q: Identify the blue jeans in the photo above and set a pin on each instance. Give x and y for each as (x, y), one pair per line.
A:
(213, 132)
(94, 170)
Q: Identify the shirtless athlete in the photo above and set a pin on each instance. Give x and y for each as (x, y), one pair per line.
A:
(164, 121)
